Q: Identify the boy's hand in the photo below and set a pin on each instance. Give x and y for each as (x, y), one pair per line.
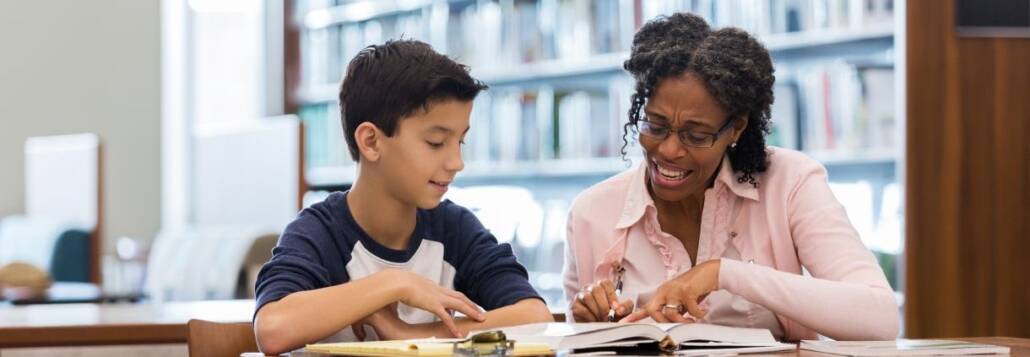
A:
(424, 294)
(387, 325)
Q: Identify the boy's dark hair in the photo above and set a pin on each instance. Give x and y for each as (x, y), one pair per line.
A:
(387, 82)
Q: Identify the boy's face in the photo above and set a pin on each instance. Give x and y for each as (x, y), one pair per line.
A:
(422, 157)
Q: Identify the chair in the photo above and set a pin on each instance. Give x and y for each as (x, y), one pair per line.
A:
(218, 339)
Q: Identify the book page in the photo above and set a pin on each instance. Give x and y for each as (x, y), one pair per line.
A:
(707, 332)
(581, 335)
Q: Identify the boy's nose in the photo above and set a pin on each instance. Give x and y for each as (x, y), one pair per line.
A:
(455, 162)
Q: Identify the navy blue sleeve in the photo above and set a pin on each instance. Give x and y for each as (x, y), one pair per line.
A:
(487, 272)
(298, 261)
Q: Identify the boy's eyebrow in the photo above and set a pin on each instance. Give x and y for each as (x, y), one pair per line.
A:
(442, 129)
(446, 130)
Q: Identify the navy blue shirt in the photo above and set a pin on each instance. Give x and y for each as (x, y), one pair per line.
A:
(325, 246)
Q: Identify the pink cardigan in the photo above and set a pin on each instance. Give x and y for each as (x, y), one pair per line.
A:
(789, 222)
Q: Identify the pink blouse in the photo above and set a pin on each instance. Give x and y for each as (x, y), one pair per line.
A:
(764, 237)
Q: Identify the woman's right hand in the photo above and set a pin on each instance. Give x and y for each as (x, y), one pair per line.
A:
(593, 303)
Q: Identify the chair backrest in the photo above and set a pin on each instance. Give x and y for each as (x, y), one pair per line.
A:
(219, 339)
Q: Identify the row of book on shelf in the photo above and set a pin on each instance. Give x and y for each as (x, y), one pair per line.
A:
(834, 107)
(490, 35)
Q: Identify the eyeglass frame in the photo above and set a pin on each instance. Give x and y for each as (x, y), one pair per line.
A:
(679, 132)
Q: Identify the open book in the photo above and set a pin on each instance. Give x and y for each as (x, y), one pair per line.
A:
(902, 348)
(667, 337)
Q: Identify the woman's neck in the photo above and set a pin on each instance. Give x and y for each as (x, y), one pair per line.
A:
(689, 207)
(386, 219)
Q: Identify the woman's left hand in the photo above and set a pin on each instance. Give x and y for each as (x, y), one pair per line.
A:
(684, 291)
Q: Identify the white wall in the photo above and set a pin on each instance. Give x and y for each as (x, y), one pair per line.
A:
(70, 66)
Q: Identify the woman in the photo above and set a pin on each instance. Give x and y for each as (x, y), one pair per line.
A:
(714, 226)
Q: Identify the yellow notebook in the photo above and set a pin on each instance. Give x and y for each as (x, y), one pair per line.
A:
(439, 347)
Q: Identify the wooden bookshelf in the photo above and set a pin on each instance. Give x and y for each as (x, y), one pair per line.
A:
(596, 70)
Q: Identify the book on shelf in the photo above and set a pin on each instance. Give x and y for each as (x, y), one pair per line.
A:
(843, 107)
(825, 107)
(902, 348)
(601, 336)
(584, 126)
(492, 36)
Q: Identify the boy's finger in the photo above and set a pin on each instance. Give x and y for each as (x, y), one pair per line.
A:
(359, 331)
(478, 315)
(463, 307)
(448, 321)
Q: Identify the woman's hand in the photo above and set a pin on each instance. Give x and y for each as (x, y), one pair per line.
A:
(424, 294)
(686, 290)
(593, 303)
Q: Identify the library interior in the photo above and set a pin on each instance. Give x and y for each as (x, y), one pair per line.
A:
(157, 155)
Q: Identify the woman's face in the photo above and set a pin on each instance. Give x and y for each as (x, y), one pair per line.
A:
(682, 103)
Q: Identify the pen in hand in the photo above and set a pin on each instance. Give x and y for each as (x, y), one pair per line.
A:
(618, 291)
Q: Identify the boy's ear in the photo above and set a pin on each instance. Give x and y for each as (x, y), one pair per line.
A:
(369, 140)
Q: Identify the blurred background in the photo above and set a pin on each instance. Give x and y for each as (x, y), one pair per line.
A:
(152, 151)
(551, 124)
(246, 96)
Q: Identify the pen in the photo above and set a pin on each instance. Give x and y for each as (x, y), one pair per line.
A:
(618, 291)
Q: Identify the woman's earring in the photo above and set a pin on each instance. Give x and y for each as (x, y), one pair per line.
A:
(733, 145)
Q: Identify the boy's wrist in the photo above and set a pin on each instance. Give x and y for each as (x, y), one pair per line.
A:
(397, 282)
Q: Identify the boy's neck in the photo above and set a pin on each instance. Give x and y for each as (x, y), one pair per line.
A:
(388, 221)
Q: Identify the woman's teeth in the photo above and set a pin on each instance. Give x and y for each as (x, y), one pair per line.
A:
(670, 173)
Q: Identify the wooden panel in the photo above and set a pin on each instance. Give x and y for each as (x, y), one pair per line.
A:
(111, 324)
(968, 181)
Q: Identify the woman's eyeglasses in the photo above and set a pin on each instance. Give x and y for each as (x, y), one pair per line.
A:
(687, 136)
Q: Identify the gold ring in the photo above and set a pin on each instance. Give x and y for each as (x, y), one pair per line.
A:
(672, 306)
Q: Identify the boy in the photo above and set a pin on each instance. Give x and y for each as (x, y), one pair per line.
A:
(387, 253)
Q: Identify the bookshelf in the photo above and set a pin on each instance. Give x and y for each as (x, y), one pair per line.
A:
(594, 71)
(552, 118)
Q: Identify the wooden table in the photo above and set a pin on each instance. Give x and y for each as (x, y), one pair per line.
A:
(1019, 346)
(74, 292)
(111, 324)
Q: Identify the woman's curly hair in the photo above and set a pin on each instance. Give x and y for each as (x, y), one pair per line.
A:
(734, 66)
